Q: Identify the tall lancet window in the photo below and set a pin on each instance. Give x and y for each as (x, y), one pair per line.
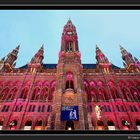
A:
(69, 81)
(69, 47)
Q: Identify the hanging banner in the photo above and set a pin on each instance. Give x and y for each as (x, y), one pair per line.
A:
(69, 113)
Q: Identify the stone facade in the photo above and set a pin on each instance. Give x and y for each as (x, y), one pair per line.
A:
(32, 96)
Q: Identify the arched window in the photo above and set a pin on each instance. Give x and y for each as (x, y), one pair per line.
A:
(94, 94)
(122, 108)
(52, 89)
(12, 94)
(43, 108)
(101, 95)
(18, 108)
(69, 46)
(39, 108)
(69, 81)
(118, 109)
(86, 88)
(135, 108)
(24, 93)
(104, 109)
(49, 108)
(131, 108)
(109, 109)
(44, 94)
(36, 94)
(126, 94)
(69, 84)
(89, 108)
(135, 94)
(113, 90)
(4, 93)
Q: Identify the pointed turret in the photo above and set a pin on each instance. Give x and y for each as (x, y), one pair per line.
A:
(9, 61)
(102, 61)
(38, 57)
(12, 56)
(131, 64)
(36, 61)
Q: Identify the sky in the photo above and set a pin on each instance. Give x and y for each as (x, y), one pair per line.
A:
(106, 28)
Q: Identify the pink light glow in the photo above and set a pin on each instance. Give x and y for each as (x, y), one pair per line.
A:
(92, 83)
(69, 76)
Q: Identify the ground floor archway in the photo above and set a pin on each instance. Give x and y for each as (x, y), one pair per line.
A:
(138, 124)
(28, 125)
(69, 125)
(111, 125)
(100, 125)
(1, 124)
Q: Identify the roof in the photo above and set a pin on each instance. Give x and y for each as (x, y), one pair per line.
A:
(53, 66)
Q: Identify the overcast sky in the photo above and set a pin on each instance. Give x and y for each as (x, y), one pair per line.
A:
(106, 28)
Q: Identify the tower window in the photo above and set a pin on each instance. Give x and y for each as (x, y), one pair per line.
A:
(39, 109)
(118, 108)
(104, 109)
(131, 108)
(43, 108)
(69, 84)
(135, 108)
(109, 109)
(3, 109)
(49, 108)
(69, 47)
(122, 108)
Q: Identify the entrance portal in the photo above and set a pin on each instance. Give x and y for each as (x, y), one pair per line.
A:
(69, 125)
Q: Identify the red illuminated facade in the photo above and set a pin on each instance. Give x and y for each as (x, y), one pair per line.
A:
(32, 96)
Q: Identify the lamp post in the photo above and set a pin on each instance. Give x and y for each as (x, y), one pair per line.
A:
(98, 112)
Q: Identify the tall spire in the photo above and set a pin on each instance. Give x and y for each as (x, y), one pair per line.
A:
(101, 58)
(69, 42)
(102, 61)
(12, 56)
(130, 63)
(9, 60)
(38, 57)
(36, 61)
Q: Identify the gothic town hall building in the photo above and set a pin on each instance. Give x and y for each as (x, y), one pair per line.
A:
(70, 95)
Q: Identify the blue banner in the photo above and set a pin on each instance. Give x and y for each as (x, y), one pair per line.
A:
(69, 113)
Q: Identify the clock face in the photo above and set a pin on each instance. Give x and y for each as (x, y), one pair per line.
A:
(69, 33)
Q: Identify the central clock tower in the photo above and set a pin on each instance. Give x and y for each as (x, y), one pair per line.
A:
(69, 111)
